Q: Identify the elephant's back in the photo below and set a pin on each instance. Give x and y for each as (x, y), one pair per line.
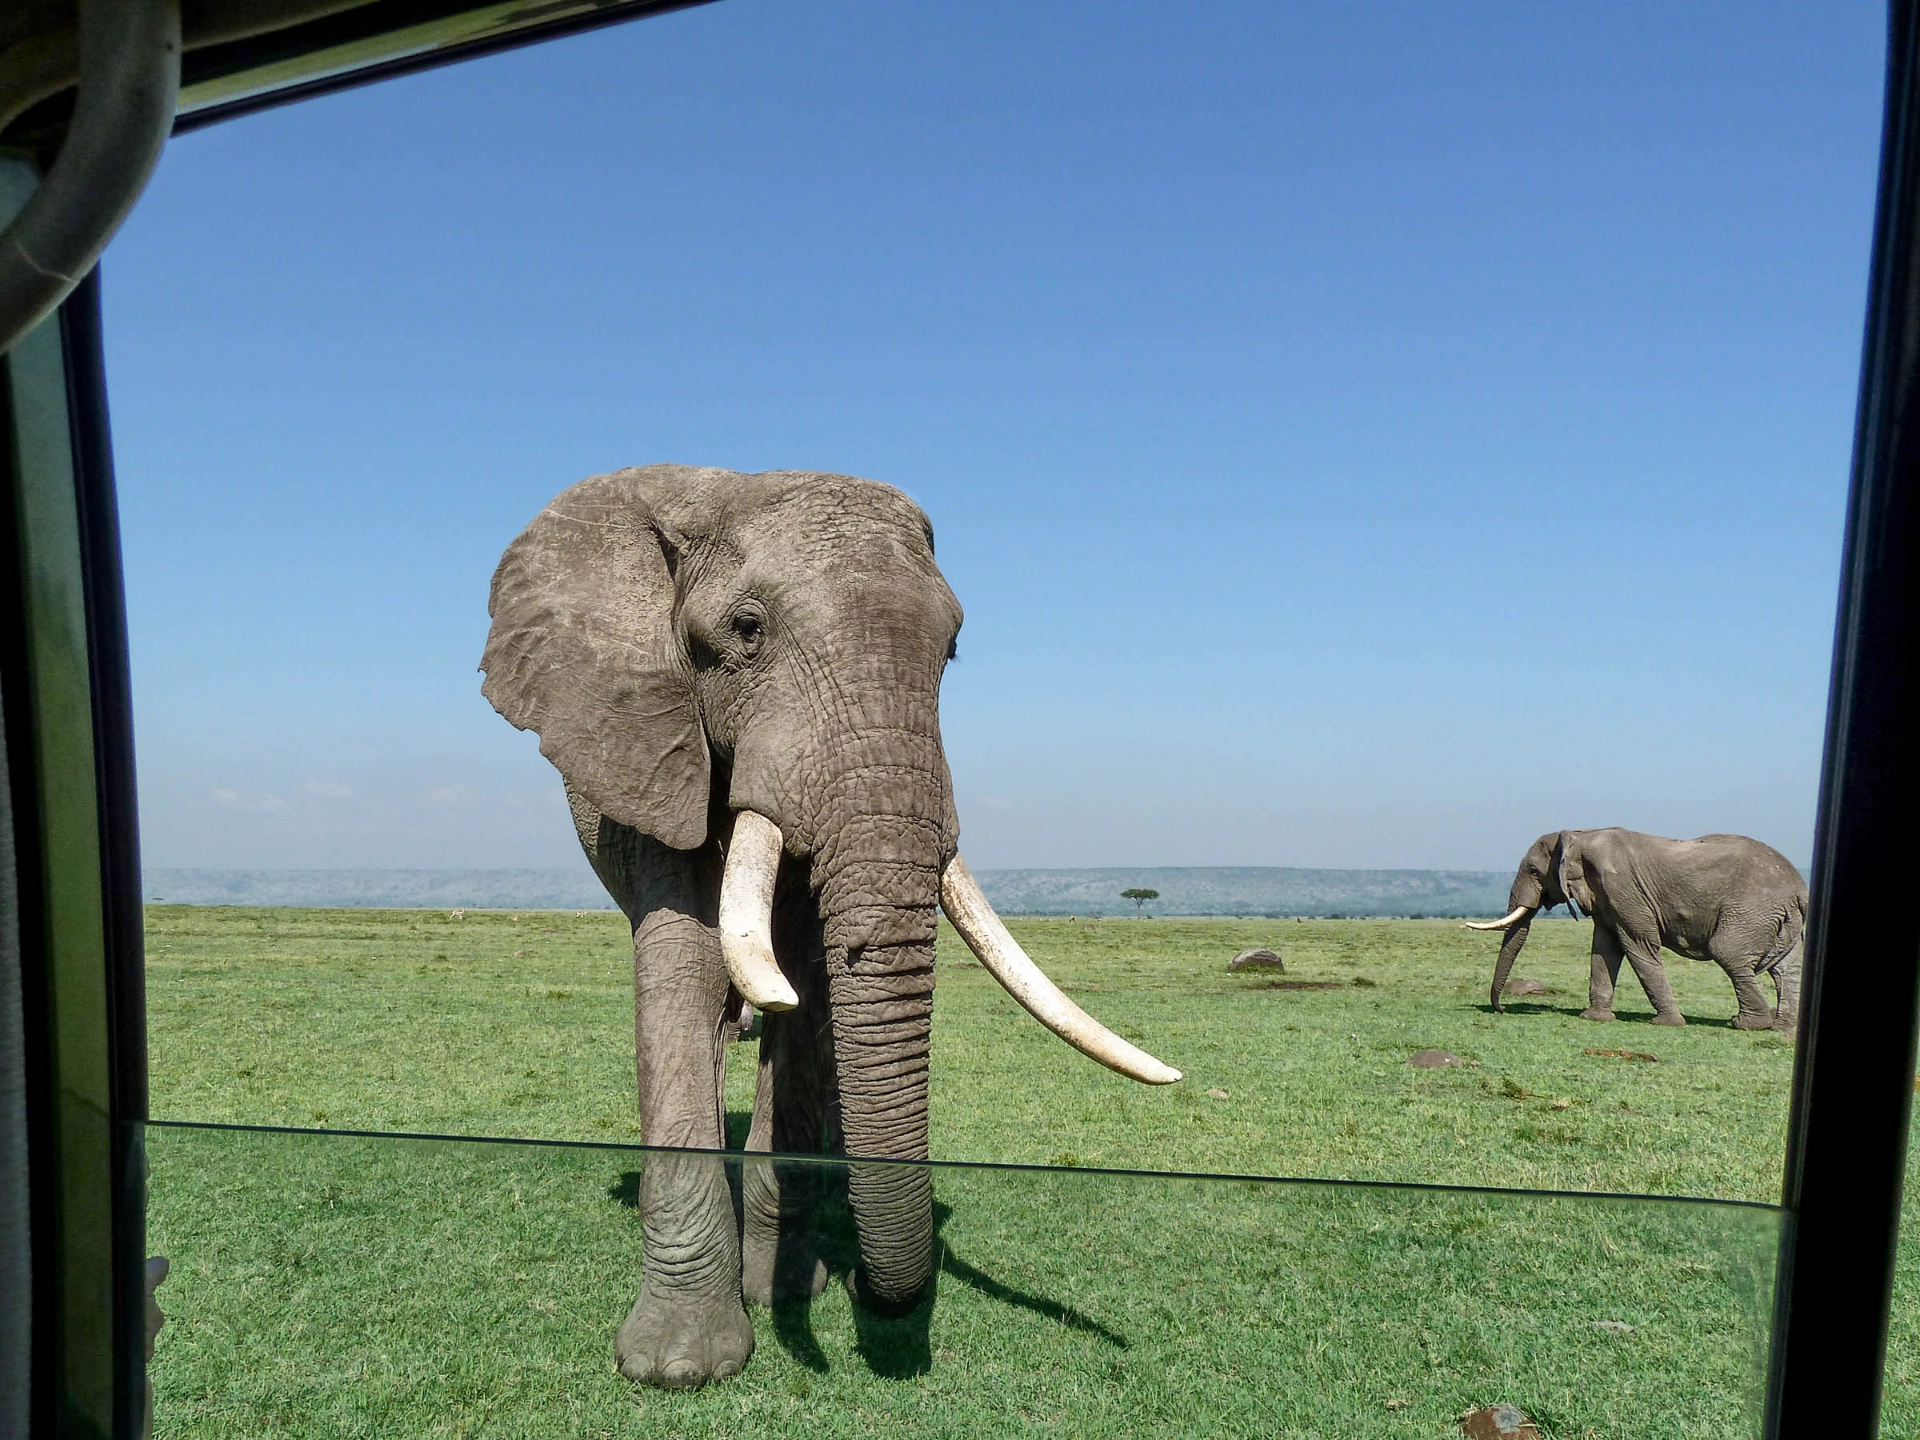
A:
(1758, 864)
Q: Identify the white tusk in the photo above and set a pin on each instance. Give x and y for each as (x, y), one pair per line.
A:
(746, 913)
(1506, 922)
(987, 937)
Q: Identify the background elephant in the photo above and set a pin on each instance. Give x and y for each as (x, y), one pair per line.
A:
(738, 678)
(1723, 898)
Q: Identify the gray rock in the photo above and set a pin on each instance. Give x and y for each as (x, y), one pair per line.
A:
(1433, 1059)
(1257, 960)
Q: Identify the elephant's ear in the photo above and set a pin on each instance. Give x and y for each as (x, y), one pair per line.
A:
(1573, 874)
(582, 651)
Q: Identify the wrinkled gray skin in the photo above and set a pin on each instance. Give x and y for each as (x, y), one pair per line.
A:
(689, 643)
(1723, 898)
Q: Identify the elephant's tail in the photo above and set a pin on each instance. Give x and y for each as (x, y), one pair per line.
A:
(1793, 920)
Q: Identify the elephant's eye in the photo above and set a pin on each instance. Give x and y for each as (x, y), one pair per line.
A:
(750, 629)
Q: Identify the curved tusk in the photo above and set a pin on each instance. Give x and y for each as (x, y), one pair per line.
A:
(987, 937)
(1505, 922)
(746, 913)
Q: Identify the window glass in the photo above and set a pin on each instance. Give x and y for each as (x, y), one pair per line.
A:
(327, 1285)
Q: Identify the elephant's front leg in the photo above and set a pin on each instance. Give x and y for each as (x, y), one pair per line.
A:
(1605, 973)
(687, 1326)
(779, 1261)
(793, 1113)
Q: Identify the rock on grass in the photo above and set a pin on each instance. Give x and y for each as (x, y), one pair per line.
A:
(1257, 960)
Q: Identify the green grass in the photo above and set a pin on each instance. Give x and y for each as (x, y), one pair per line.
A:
(352, 1287)
(368, 1288)
(490, 1025)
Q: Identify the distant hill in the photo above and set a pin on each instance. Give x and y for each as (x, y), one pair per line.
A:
(381, 889)
(1249, 890)
(1184, 890)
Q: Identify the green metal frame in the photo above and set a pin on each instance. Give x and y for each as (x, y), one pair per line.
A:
(56, 810)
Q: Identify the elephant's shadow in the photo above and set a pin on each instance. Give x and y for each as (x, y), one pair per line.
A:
(1535, 1007)
(895, 1348)
(1622, 1016)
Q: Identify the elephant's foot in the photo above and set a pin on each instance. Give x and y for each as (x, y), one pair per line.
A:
(1592, 1014)
(1786, 1024)
(1669, 1017)
(769, 1276)
(683, 1341)
(1754, 1020)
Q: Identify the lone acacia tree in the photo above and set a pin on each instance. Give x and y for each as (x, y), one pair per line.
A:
(1139, 898)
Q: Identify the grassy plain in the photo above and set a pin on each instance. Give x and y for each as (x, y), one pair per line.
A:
(379, 1287)
(494, 1025)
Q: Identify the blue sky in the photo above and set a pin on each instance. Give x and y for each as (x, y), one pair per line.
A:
(1360, 436)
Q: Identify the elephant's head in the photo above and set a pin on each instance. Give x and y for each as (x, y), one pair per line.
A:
(1552, 872)
(754, 662)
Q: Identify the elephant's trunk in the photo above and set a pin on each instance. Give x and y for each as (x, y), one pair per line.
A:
(1509, 952)
(882, 1008)
(879, 884)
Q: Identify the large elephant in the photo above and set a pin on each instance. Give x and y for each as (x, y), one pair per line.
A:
(1723, 898)
(738, 678)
